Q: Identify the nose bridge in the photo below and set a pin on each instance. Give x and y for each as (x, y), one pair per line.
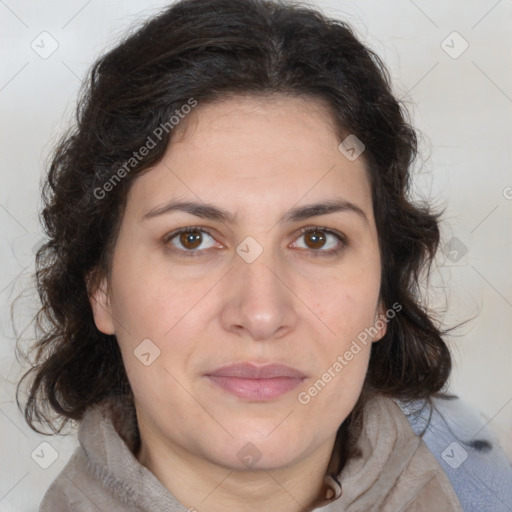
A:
(254, 260)
(258, 278)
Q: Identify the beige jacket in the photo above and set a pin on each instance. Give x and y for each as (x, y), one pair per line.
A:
(397, 472)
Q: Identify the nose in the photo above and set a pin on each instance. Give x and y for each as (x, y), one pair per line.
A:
(258, 301)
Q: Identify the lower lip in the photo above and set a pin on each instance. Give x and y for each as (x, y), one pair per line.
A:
(256, 389)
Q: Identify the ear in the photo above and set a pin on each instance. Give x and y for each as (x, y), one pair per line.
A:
(101, 308)
(381, 322)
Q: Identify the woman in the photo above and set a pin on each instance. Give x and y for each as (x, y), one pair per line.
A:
(229, 288)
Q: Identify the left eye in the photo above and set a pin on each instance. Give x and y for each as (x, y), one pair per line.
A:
(321, 240)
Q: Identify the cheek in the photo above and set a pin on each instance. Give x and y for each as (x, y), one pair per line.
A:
(347, 306)
(155, 329)
(150, 303)
(334, 391)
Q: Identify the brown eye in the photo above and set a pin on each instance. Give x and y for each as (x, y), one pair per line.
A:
(315, 239)
(321, 241)
(191, 239)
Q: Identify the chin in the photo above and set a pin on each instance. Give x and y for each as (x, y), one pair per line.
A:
(258, 451)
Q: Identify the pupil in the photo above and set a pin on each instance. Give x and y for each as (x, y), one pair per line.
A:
(190, 240)
(315, 239)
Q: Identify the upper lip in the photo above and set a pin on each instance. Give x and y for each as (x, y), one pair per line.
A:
(257, 371)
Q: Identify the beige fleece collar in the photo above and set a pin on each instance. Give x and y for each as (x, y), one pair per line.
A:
(396, 473)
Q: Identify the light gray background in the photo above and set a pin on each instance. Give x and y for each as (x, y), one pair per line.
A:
(462, 105)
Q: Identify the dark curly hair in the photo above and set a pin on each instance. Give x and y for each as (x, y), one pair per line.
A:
(208, 50)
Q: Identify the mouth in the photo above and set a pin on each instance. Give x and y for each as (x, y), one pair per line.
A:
(256, 382)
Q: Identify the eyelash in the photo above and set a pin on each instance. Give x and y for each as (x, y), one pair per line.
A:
(316, 253)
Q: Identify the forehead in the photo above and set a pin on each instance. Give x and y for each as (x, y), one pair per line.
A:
(250, 152)
(259, 125)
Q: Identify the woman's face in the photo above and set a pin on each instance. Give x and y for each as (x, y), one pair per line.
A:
(237, 336)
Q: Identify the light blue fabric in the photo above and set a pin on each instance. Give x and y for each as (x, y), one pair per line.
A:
(482, 478)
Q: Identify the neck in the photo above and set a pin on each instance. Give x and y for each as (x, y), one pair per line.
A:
(202, 485)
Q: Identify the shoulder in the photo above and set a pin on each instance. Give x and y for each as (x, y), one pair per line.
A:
(63, 493)
(76, 489)
(461, 440)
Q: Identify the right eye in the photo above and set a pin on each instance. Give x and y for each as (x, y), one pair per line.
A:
(190, 241)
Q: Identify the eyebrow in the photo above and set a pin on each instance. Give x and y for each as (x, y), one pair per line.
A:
(209, 211)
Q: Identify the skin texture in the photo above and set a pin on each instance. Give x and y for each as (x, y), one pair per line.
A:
(256, 158)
